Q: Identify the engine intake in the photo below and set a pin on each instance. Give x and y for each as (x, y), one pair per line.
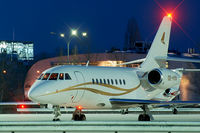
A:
(163, 78)
(154, 77)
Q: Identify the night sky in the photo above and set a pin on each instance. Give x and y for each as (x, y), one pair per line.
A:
(104, 20)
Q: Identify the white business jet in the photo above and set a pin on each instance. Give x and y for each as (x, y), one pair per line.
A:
(91, 87)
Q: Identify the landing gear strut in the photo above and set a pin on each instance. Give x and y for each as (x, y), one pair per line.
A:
(175, 111)
(146, 116)
(56, 113)
(124, 111)
(78, 115)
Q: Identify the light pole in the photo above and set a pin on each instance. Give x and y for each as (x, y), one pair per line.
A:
(68, 49)
(73, 33)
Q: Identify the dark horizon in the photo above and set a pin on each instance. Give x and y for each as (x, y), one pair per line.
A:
(104, 21)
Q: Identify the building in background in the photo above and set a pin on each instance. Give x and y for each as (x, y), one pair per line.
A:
(18, 49)
(132, 35)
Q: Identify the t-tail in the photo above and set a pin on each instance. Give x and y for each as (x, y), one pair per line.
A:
(159, 47)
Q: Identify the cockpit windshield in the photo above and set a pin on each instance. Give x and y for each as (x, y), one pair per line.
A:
(61, 76)
(67, 77)
(46, 76)
(41, 76)
(53, 76)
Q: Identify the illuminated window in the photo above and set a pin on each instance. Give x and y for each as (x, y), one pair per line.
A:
(124, 82)
(100, 81)
(97, 81)
(104, 81)
(112, 82)
(53, 76)
(61, 76)
(93, 81)
(116, 81)
(45, 77)
(67, 77)
(120, 81)
(41, 76)
(108, 81)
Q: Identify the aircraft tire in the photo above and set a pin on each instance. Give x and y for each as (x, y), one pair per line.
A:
(175, 111)
(83, 117)
(79, 117)
(144, 117)
(56, 119)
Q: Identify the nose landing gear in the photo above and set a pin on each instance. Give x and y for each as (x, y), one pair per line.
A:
(56, 113)
(78, 115)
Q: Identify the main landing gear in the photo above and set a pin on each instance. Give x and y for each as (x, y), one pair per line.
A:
(175, 111)
(56, 113)
(124, 111)
(146, 116)
(78, 115)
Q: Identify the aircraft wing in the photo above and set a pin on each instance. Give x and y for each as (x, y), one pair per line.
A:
(132, 62)
(17, 103)
(192, 60)
(155, 104)
(160, 58)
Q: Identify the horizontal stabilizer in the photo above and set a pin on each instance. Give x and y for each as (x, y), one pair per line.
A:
(188, 70)
(179, 59)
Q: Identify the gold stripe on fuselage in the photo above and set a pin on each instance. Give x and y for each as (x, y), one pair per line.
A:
(126, 91)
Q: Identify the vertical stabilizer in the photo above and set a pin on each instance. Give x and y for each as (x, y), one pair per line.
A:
(159, 47)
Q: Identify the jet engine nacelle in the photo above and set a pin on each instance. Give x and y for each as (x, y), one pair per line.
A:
(163, 78)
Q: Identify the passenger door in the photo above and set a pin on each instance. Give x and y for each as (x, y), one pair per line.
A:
(79, 93)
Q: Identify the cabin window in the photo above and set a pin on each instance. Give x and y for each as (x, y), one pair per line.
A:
(112, 82)
(116, 81)
(100, 81)
(104, 81)
(41, 76)
(97, 81)
(45, 77)
(67, 77)
(120, 81)
(61, 76)
(124, 82)
(53, 76)
(93, 81)
(108, 81)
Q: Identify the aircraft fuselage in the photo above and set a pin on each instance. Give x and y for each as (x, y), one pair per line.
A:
(90, 87)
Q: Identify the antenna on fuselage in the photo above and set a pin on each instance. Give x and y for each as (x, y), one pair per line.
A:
(87, 63)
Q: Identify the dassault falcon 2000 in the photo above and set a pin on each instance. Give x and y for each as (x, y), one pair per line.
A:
(90, 87)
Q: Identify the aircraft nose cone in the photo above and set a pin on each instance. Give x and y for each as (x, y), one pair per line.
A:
(32, 94)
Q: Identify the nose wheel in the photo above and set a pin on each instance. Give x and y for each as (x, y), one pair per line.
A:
(56, 113)
(144, 117)
(78, 115)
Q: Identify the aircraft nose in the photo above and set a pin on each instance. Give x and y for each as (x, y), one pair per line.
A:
(37, 91)
(32, 94)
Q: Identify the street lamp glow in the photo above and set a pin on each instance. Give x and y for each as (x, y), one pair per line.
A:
(84, 34)
(38, 71)
(4, 71)
(62, 35)
(74, 32)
